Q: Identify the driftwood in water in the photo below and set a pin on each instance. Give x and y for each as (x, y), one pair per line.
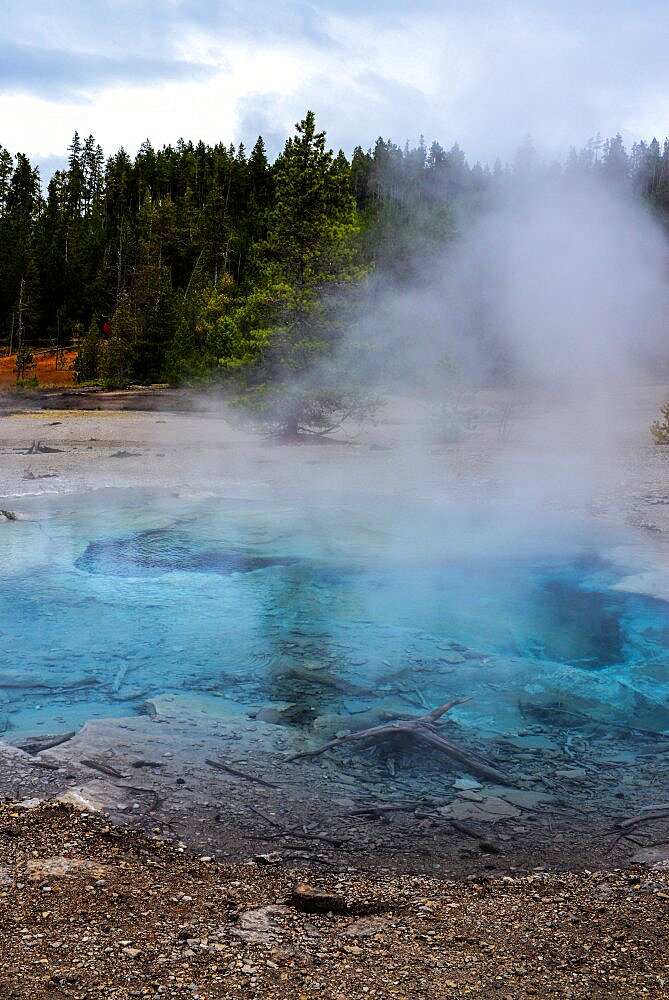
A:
(99, 765)
(422, 730)
(35, 744)
(288, 832)
(218, 765)
(380, 810)
(650, 814)
(45, 764)
(629, 826)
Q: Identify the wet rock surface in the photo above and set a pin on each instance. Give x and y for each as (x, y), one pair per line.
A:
(223, 785)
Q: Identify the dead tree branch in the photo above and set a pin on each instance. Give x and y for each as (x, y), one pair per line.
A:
(421, 730)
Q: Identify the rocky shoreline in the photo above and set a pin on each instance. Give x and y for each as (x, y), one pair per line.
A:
(230, 791)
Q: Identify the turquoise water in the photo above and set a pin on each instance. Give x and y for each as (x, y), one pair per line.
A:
(320, 611)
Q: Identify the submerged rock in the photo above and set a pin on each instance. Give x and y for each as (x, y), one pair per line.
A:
(18, 679)
(490, 809)
(191, 707)
(330, 725)
(290, 715)
(452, 657)
(148, 553)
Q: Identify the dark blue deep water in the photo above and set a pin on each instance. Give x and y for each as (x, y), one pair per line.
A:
(111, 599)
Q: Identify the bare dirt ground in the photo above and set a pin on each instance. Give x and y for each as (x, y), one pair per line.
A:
(155, 916)
(51, 369)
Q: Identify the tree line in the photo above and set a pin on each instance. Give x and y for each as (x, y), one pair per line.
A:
(198, 259)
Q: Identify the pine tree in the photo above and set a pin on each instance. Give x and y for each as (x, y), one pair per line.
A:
(18, 268)
(116, 354)
(6, 165)
(75, 177)
(88, 357)
(291, 323)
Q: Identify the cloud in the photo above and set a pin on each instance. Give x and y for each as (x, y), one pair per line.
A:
(260, 114)
(56, 74)
(259, 20)
(483, 75)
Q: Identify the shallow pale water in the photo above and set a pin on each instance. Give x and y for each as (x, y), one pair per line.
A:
(320, 612)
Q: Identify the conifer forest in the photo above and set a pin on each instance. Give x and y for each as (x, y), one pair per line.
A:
(196, 263)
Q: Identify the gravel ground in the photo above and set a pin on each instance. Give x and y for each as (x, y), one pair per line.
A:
(94, 910)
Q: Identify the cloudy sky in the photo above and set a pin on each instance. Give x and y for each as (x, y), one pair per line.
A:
(484, 74)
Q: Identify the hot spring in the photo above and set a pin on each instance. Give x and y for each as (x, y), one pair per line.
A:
(307, 615)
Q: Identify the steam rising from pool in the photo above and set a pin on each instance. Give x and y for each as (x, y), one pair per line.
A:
(314, 614)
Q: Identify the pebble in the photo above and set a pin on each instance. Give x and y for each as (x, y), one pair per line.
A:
(366, 927)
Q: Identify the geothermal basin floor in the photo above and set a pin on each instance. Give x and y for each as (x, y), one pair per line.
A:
(511, 930)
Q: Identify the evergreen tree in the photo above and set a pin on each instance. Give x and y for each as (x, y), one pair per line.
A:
(75, 177)
(24, 364)
(18, 267)
(361, 164)
(6, 166)
(291, 324)
(117, 354)
(615, 162)
(87, 364)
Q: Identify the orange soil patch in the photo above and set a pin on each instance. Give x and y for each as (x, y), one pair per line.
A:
(46, 371)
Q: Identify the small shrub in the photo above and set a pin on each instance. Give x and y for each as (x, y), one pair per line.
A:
(25, 363)
(660, 428)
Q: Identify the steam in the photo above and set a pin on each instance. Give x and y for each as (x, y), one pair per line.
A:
(572, 284)
(550, 307)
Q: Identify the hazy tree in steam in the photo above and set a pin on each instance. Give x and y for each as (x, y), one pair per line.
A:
(660, 428)
(116, 354)
(287, 332)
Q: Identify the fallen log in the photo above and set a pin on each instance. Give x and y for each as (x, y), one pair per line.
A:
(420, 730)
(648, 817)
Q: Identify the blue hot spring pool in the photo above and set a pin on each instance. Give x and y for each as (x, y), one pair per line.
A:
(313, 611)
